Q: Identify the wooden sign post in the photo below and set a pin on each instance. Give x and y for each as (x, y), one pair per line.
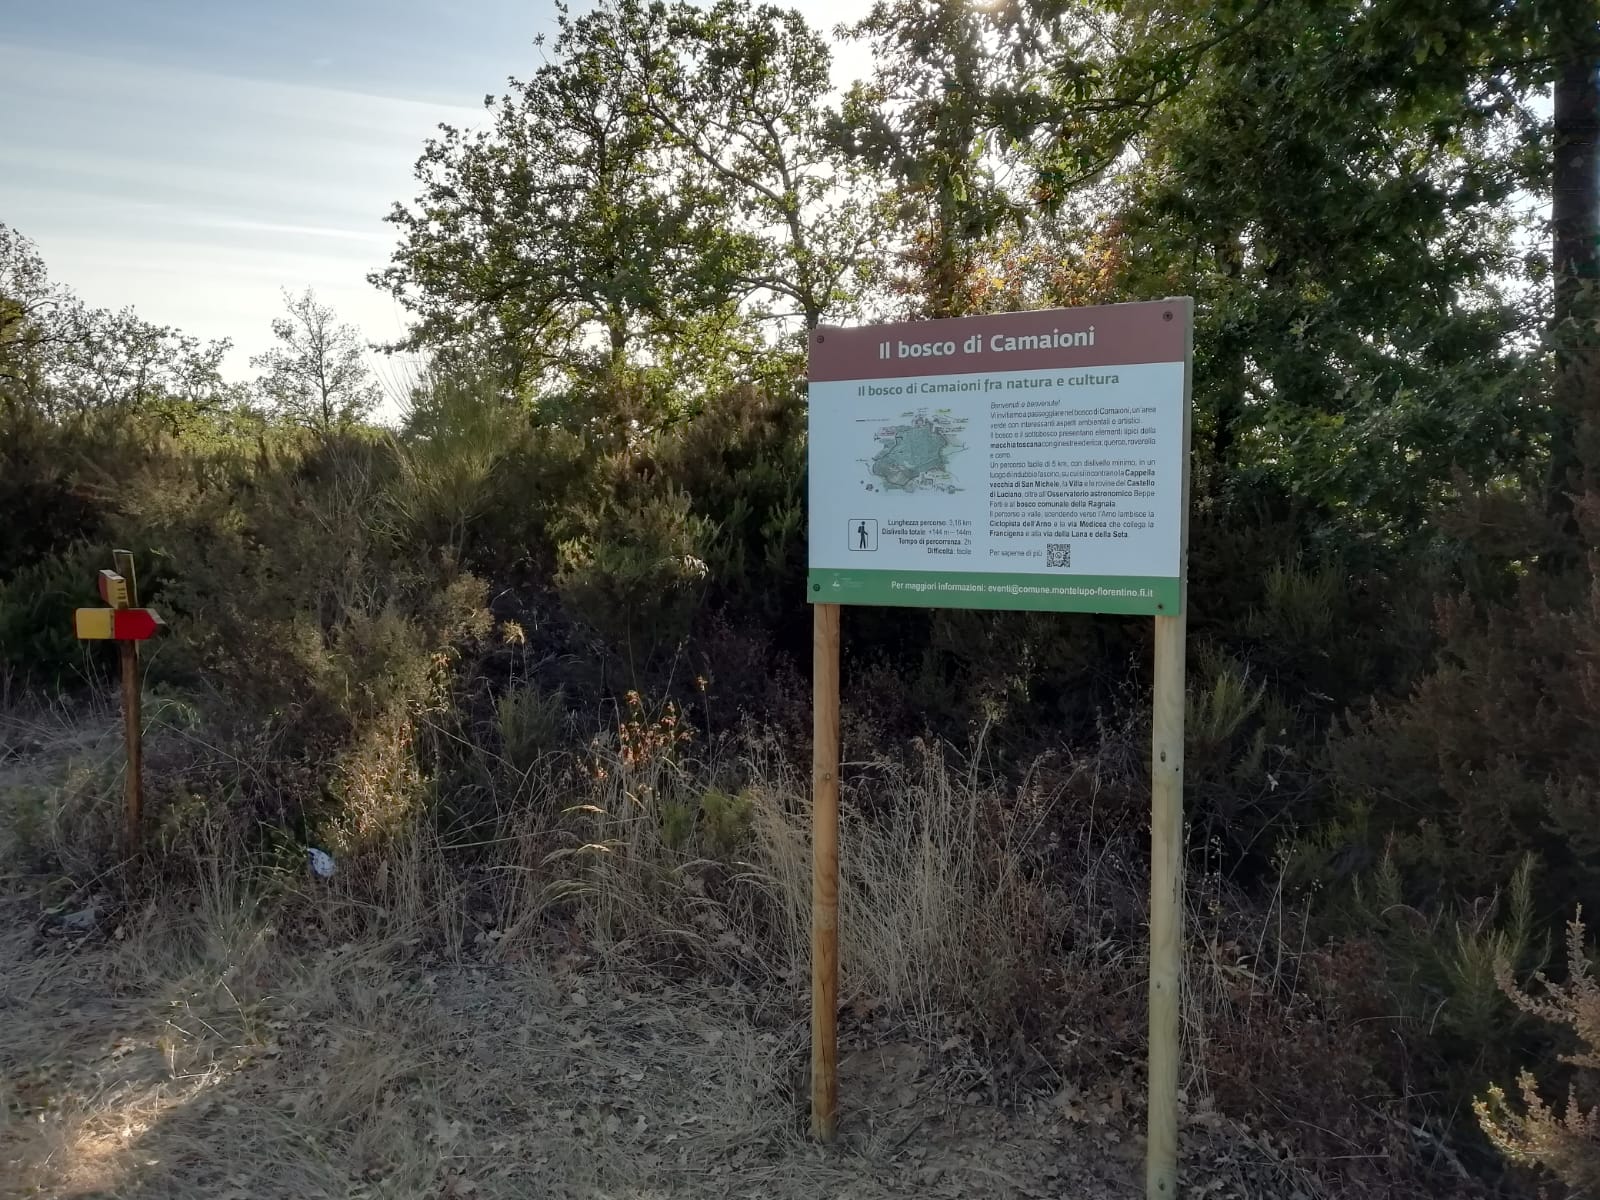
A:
(127, 625)
(1035, 461)
(1166, 909)
(825, 872)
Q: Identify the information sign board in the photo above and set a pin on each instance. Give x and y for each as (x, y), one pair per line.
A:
(1033, 460)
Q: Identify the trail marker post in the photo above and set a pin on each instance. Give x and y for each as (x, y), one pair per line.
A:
(127, 625)
(1034, 460)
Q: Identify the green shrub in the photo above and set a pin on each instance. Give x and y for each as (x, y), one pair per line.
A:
(1443, 965)
(725, 819)
(37, 642)
(634, 573)
(46, 507)
(532, 726)
(676, 818)
(460, 432)
(741, 461)
(1493, 756)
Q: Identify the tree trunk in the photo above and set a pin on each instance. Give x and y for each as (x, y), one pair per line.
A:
(1575, 257)
(617, 328)
(1231, 376)
(947, 269)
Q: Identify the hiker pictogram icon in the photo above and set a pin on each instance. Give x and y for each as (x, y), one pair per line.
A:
(863, 534)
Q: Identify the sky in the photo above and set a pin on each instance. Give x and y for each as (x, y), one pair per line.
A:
(192, 158)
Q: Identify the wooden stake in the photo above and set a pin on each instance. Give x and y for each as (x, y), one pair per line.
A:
(132, 715)
(1166, 841)
(132, 784)
(825, 873)
(1166, 909)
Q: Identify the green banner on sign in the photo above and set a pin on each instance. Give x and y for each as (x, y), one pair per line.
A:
(1133, 595)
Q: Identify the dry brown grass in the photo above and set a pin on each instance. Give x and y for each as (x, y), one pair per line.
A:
(211, 1050)
(938, 917)
(58, 762)
(437, 1023)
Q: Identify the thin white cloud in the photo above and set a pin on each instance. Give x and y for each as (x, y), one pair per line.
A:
(154, 86)
(314, 231)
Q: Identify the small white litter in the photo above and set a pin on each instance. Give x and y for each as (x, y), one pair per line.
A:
(321, 863)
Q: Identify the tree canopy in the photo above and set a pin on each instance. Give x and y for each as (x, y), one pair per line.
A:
(315, 375)
(61, 358)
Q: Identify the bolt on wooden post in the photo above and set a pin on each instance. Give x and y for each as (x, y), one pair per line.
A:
(126, 624)
(1025, 461)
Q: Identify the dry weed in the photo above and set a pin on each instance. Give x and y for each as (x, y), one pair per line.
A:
(936, 916)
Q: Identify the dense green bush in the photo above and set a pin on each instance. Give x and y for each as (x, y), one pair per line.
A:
(37, 642)
(633, 572)
(1493, 756)
(46, 509)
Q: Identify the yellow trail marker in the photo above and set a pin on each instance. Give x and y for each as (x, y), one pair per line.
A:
(114, 589)
(93, 624)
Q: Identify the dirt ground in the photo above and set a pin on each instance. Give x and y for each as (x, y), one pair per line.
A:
(378, 1077)
(207, 1058)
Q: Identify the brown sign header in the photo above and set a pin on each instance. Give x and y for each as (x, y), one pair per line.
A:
(1045, 339)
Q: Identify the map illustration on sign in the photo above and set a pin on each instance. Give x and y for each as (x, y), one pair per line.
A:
(914, 453)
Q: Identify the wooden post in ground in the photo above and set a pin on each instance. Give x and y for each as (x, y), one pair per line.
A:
(1166, 839)
(1166, 909)
(132, 716)
(825, 873)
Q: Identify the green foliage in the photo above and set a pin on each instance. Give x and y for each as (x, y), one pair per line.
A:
(559, 224)
(1299, 606)
(738, 88)
(315, 375)
(741, 461)
(924, 120)
(1492, 756)
(532, 725)
(1218, 711)
(633, 572)
(459, 432)
(725, 819)
(1442, 968)
(716, 824)
(37, 642)
(1289, 188)
(659, 184)
(677, 824)
(1476, 1010)
(297, 613)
